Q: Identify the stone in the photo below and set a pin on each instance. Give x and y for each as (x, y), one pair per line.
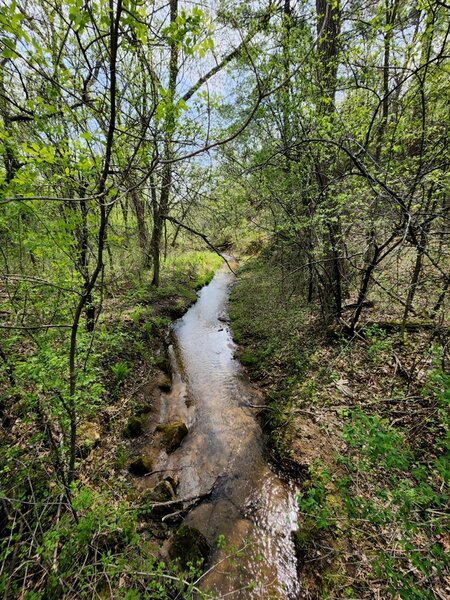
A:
(165, 384)
(134, 427)
(143, 408)
(172, 434)
(143, 465)
(174, 481)
(162, 492)
(188, 546)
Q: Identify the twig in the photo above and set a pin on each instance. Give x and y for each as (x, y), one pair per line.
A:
(173, 514)
(54, 566)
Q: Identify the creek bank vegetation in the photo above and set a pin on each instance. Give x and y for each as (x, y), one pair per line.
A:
(342, 311)
(362, 423)
(102, 532)
(102, 113)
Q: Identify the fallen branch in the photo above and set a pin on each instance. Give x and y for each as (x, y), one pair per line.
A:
(185, 502)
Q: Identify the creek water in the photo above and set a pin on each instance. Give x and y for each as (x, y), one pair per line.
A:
(250, 506)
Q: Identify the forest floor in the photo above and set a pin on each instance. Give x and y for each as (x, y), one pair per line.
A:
(362, 423)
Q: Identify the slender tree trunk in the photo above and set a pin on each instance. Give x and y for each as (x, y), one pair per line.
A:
(161, 208)
(84, 265)
(101, 236)
(286, 90)
(390, 16)
(364, 288)
(420, 253)
(437, 307)
(139, 210)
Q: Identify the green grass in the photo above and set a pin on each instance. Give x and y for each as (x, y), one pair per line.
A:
(265, 325)
(195, 267)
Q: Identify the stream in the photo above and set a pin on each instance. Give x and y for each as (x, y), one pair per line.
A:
(224, 450)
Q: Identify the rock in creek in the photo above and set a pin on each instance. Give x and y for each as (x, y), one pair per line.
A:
(141, 466)
(174, 481)
(165, 384)
(134, 427)
(162, 492)
(143, 408)
(172, 434)
(188, 545)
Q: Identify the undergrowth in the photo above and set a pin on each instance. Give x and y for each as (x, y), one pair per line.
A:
(368, 421)
(84, 539)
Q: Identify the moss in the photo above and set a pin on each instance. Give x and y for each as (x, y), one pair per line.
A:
(248, 358)
(141, 466)
(165, 384)
(178, 309)
(143, 408)
(163, 363)
(172, 434)
(304, 538)
(188, 546)
(156, 502)
(174, 481)
(134, 427)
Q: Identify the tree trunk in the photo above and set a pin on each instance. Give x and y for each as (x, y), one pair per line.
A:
(139, 210)
(286, 90)
(11, 162)
(328, 28)
(70, 406)
(161, 208)
(390, 16)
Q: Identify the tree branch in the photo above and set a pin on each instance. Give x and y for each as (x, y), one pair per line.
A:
(201, 235)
